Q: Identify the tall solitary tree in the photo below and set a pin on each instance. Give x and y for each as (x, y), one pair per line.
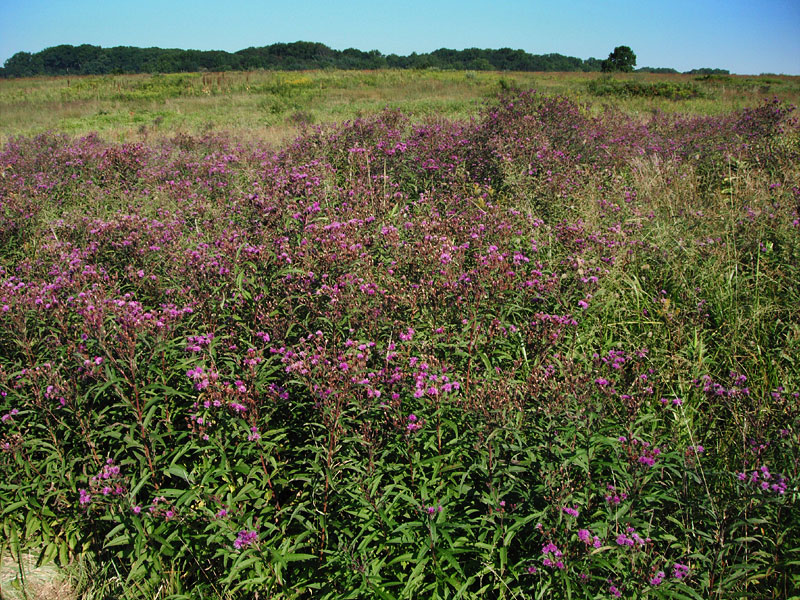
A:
(621, 59)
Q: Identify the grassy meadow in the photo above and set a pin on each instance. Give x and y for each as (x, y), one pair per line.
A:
(271, 106)
(400, 335)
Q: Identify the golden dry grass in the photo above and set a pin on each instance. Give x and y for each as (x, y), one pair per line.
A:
(23, 580)
(268, 105)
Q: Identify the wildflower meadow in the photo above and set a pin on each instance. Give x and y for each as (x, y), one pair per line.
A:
(543, 352)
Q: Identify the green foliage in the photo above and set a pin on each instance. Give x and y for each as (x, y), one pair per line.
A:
(620, 59)
(708, 71)
(94, 60)
(633, 88)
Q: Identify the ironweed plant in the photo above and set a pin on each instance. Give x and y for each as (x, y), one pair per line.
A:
(539, 354)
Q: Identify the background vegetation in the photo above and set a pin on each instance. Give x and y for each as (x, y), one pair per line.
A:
(94, 60)
(275, 106)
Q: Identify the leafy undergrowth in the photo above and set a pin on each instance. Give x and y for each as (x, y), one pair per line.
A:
(534, 355)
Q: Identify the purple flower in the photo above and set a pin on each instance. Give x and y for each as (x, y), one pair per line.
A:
(550, 549)
(195, 374)
(408, 335)
(245, 538)
(85, 497)
(657, 578)
(413, 425)
(680, 571)
(573, 512)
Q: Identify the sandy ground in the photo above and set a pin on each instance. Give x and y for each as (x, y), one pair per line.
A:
(47, 582)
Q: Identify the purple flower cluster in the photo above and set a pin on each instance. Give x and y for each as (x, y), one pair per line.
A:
(413, 423)
(763, 480)
(631, 539)
(736, 388)
(573, 512)
(9, 415)
(432, 510)
(246, 537)
(587, 538)
(552, 556)
(614, 497)
(640, 451)
(108, 483)
(680, 571)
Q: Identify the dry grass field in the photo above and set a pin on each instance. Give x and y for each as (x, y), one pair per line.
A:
(273, 106)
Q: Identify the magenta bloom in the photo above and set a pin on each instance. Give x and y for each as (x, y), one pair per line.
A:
(245, 538)
(413, 424)
(680, 571)
(550, 549)
(657, 578)
(573, 512)
(587, 538)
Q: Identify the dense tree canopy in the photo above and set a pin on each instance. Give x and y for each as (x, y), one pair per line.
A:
(94, 60)
(621, 59)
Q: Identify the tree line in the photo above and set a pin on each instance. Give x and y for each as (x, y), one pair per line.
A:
(95, 60)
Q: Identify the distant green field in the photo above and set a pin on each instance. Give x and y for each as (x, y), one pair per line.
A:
(273, 105)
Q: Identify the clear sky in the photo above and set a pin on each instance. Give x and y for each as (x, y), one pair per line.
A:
(743, 36)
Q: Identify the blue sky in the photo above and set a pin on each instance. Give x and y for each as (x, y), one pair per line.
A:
(744, 36)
